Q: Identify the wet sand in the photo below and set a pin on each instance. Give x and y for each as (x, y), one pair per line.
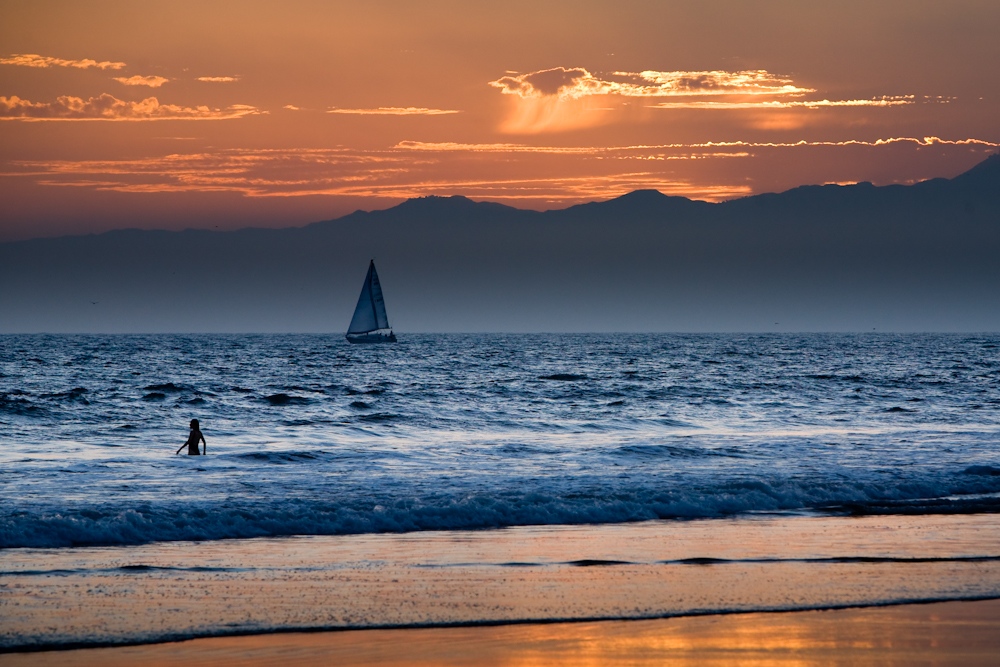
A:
(533, 575)
(941, 634)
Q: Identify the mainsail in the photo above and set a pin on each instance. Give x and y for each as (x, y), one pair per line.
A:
(369, 315)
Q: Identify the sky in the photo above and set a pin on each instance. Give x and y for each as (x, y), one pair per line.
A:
(223, 115)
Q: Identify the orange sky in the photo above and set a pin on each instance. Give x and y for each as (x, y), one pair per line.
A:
(229, 114)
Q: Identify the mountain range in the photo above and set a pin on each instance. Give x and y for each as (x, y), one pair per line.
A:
(921, 257)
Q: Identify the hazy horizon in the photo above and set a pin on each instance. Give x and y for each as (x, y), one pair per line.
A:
(855, 258)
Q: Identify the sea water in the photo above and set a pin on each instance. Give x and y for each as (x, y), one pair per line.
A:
(311, 436)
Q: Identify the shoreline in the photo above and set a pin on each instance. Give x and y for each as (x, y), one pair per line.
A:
(473, 625)
(939, 633)
(59, 600)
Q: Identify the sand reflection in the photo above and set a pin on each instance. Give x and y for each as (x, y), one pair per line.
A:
(951, 633)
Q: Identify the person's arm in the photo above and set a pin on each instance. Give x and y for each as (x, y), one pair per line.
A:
(180, 448)
(204, 448)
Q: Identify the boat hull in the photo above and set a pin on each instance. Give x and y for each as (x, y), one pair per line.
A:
(371, 338)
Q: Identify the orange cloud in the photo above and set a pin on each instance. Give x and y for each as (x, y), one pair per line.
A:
(219, 79)
(450, 146)
(577, 82)
(151, 81)
(35, 60)
(690, 151)
(108, 107)
(919, 141)
(885, 101)
(562, 98)
(342, 172)
(544, 190)
(610, 152)
(395, 111)
(542, 176)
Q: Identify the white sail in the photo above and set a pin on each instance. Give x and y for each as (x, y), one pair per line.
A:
(369, 314)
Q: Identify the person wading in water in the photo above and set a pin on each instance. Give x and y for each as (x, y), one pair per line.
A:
(192, 441)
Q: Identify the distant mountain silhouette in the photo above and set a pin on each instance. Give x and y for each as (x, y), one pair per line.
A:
(831, 257)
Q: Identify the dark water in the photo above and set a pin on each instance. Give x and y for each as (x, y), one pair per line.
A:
(308, 435)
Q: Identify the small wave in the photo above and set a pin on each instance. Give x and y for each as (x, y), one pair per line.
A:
(658, 451)
(379, 417)
(286, 399)
(113, 570)
(522, 449)
(75, 395)
(304, 422)
(594, 562)
(154, 396)
(563, 377)
(168, 568)
(917, 506)
(360, 405)
(835, 559)
(400, 510)
(833, 376)
(667, 421)
(985, 471)
(294, 387)
(167, 387)
(278, 457)
(18, 406)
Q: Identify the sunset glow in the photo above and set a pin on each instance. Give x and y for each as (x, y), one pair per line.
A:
(323, 109)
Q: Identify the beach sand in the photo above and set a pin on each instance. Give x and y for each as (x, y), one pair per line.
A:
(463, 581)
(947, 633)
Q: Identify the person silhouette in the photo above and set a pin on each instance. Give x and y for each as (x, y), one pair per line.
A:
(192, 441)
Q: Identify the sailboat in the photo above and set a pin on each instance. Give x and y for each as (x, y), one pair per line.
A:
(370, 323)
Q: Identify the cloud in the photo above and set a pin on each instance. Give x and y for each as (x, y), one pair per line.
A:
(562, 98)
(917, 141)
(546, 190)
(35, 60)
(219, 79)
(539, 176)
(885, 101)
(151, 81)
(615, 152)
(109, 107)
(389, 174)
(450, 146)
(572, 98)
(577, 82)
(291, 107)
(395, 111)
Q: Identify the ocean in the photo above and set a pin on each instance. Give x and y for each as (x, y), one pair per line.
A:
(343, 466)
